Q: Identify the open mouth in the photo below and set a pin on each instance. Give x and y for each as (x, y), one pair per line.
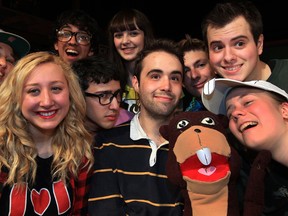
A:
(247, 125)
(71, 52)
(194, 169)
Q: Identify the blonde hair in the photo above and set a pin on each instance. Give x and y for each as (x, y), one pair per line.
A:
(71, 142)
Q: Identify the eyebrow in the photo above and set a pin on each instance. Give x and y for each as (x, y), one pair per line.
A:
(37, 84)
(107, 91)
(240, 96)
(177, 72)
(161, 71)
(233, 39)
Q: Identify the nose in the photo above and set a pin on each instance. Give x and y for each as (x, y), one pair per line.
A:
(165, 84)
(73, 39)
(126, 38)
(114, 104)
(3, 62)
(237, 113)
(46, 99)
(229, 55)
(194, 73)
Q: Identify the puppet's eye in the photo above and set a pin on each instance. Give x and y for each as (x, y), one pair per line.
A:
(181, 124)
(208, 121)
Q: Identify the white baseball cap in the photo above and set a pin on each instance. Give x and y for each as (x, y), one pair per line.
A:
(215, 91)
(19, 44)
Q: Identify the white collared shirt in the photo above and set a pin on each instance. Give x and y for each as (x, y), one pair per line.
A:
(137, 133)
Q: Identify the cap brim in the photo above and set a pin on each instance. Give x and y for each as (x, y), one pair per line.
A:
(19, 44)
(215, 91)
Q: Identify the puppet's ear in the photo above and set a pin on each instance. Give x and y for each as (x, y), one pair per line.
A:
(224, 120)
(164, 131)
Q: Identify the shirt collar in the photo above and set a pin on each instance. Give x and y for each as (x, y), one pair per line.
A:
(136, 131)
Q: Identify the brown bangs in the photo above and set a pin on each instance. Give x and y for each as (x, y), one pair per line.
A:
(123, 24)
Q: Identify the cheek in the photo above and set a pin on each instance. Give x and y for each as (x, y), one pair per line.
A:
(187, 76)
(140, 42)
(27, 105)
(206, 72)
(215, 57)
(187, 82)
(91, 113)
(233, 128)
(117, 43)
(92, 106)
(10, 67)
(178, 90)
(63, 100)
(85, 50)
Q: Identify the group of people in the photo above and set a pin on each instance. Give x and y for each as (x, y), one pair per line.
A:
(89, 124)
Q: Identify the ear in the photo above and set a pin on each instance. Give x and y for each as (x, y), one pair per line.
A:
(260, 43)
(91, 53)
(55, 46)
(284, 109)
(135, 84)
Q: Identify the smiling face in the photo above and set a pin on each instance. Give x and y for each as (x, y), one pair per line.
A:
(71, 50)
(45, 98)
(7, 60)
(160, 84)
(197, 71)
(255, 118)
(129, 43)
(233, 52)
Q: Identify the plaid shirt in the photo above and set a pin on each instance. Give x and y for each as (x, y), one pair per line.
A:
(81, 188)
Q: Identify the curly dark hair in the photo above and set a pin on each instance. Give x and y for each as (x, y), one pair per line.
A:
(83, 21)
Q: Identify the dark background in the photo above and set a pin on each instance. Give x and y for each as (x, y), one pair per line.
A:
(33, 19)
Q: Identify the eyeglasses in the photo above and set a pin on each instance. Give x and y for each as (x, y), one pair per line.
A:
(81, 37)
(106, 98)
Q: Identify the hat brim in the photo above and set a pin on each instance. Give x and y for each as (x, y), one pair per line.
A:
(215, 91)
(19, 44)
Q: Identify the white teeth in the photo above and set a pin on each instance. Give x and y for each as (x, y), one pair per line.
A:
(204, 156)
(72, 51)
(247, 125)
(47, 113)
(231, 68)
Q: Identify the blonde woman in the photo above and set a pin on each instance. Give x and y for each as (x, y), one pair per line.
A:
(45, 150)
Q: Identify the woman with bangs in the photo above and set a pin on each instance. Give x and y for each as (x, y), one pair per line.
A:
(129, 31)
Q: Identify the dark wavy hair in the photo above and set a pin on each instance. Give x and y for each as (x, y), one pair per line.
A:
(127, 19)
(83, 21)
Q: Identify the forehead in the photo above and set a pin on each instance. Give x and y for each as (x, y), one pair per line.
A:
(45, 73)
(243, 91)
(5, 48)
(239, 26)
(194, 55)
(112, 86)
(70, 27)
(161, 60)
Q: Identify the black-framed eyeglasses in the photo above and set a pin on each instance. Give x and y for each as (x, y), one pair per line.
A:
(106, 98)
(82, 38)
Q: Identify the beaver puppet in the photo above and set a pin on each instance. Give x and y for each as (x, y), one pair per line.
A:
(202, 163)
